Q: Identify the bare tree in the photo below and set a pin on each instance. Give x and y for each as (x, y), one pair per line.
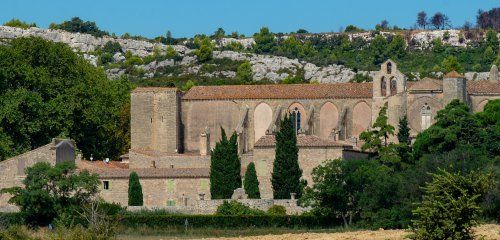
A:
(99, 223)
(422, 19)
(440, 20)
(489, 19)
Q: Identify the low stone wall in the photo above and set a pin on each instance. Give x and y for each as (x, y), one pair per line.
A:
(210, 206)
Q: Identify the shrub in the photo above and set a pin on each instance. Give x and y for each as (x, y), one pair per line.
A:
(77, 25)
(251, 183)
(135, 197)
(450, 206)
(20, 24)
(112, 47)
(244, 72)
(105, 58)
(276, 210)
(235, 208)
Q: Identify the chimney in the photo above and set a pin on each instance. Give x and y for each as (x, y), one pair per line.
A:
(205, 142)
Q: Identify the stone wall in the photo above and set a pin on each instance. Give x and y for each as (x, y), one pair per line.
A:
(159, 192)
(140, 160)
(210, 206)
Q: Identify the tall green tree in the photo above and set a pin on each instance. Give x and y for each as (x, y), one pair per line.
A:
(135, 197)
(286, 170)
(225, 167)
(404, 140)
(244, 72)
(377, 138)
(51, 192)
(251, 183)
(47, 90)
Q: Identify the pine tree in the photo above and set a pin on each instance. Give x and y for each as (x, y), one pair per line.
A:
(134, 190)
(251, 183)
(225, 167)
(381, 131)
(286, 170)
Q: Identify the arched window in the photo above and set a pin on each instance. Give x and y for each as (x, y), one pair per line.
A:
(394, 86)
(389, 68)
(383, 86)
(425, 114)
(296, 118)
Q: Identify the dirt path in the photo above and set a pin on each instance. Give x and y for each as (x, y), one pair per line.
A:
(489, 231)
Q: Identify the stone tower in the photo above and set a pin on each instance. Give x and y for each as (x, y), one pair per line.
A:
(494, 74)
(454, 87)
(155, 119)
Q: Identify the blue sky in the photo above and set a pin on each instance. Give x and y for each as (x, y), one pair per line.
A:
(187, 17)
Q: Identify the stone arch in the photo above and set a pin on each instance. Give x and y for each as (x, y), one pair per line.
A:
(262, 118)
(480, 106)
(328, 119)
(394, 85)
(298, 107)
(361, 118)
(383, 86)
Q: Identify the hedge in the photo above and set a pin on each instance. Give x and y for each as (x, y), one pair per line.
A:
(223, 221)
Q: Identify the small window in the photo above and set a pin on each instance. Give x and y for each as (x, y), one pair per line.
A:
(170, 202)
(296, 119)
(105, 185)
(389, 68)
(383, 86)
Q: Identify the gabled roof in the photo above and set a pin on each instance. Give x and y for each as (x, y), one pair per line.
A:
(154, 173)
(281, 91)
(426, 84)
(303, 141)
(483, 87)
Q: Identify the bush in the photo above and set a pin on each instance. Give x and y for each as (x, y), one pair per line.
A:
(112, 47)
(77, 25)
(105, 58)
(450, 206)
(235, 208)
(277, 210)
(19, 24)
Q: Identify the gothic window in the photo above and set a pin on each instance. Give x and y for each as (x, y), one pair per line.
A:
(383, 86)
(425, 114)
(296, 118)
(394, 86)
(389, 68)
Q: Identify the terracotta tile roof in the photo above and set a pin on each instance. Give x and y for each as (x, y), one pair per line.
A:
(154, 172)
(280, 91)
(154, 89)
(153, 153)
(426, 84)
(303, 141)
(483, 87)
(453, 74)
(91, 165)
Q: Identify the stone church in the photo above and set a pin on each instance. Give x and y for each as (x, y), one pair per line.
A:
(173, 132)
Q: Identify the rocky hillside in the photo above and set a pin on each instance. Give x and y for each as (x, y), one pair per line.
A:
(264, 67)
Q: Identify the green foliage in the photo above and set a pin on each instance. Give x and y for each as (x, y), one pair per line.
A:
(105, 58)
(377, 138)
(450, 206)
(234, 208)
(251, 183)
(188, 85)
(359, 78)
(172, 54)
(294, 48)
(77, 25)
(205, 52)
(264, 41)
(46, 90)
(234, 46)
(166, 220)
(112, 47)
(19, 24)
(277, 210)
(135, 197)
(454, 126)
(451, 63)
(52, 191)
(225, 167)
(352, 29)
(286, 170)
(244, 72)
(403, 131)
(354, 190)
(397, 47)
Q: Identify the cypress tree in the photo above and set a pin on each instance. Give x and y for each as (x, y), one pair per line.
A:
(134, 190)
(225, 167)
(404, 131)
(286, 170)
(251, 183)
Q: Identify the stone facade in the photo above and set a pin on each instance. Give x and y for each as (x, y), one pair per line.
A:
(12, 170)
